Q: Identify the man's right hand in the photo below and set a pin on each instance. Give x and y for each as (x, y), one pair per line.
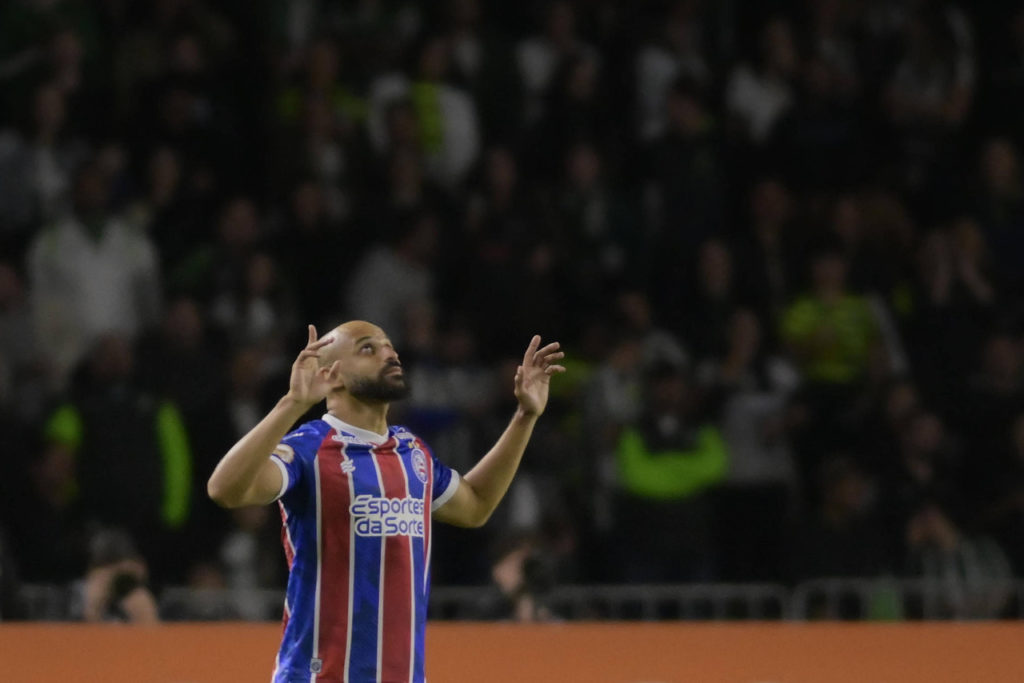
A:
(310, 383)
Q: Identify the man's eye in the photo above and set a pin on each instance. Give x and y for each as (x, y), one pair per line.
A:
(367, 346)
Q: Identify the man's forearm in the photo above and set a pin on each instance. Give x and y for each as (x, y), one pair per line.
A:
(490, 478)
(239, 468)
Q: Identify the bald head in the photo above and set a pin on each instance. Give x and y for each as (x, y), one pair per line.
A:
(345, 338)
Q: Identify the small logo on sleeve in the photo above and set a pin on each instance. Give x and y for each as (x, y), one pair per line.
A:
(285, 452)
(419, 463)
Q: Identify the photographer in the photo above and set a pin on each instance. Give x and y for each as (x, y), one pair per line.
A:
(522, 580)
(115, 585)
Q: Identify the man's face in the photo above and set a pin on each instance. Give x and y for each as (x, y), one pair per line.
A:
(371, 369)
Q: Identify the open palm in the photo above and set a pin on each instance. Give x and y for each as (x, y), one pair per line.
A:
(533, 377)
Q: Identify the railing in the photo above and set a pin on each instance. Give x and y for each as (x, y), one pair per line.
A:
(846, 599)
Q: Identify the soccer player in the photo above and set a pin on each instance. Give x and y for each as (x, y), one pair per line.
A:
(357, 498)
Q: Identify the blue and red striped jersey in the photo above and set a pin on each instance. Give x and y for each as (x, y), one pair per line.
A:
(356, 510)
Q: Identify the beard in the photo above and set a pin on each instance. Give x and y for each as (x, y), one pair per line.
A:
(380, 389)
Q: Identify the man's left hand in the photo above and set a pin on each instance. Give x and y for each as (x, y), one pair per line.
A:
(533, 377)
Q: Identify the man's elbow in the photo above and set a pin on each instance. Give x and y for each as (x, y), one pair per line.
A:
(220, 495)
(478, 518)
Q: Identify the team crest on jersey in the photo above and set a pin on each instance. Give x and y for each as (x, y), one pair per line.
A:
(419, 463)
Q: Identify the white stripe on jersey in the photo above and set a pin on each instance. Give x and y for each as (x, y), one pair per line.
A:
(351, 569)
(380, 581)
(319, 554)
(412, 577)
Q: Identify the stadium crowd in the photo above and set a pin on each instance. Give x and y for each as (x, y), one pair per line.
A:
(781, 242)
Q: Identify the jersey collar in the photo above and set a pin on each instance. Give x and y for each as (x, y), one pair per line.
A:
(361, 434)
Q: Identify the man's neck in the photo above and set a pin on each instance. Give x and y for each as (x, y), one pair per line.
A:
(372, 417)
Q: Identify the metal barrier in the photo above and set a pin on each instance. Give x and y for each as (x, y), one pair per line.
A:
(831, 599)
(632, 602)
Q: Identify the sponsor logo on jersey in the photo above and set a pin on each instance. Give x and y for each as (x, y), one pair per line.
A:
(377, 516)
(419, 463)
(347, 466)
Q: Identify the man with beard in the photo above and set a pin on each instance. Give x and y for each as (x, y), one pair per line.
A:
(357, 498)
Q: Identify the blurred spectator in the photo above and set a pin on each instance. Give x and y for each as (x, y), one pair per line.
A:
(320, 148)
(573, 113)
(1000, 495)
(482, 61)
(830, 332)
(769, 251)
(635, 317)
(1002, 82)
(1000, 211)
(395, 276)
(171, 208)
(833, 338)
(307, 246)
(91, 273)
(667, 462)
(10, 600)
(952, 311)
(930, 91)
(594, 223)
(131, 454)
(540, 55)
(758, 94)
(707, 316)
(258, 309)
(687, 176)
(251, 556)
(447, 129)
(973, 570)
(676, 54)
(22, 371)
(844, 536)
(37, 167)
(754, 502)
(51, 537)
(212, 268)
(925, 473)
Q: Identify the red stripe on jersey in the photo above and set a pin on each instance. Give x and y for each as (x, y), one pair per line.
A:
(286, 537)
(397, 592)
(335, 542)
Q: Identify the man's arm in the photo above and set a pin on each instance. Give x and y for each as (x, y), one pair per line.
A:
(484, 486)
(246, 475)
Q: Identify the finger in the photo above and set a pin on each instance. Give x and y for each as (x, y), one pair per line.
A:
(555, 355)
(335, 370)
(531, 350)
(313, 346)
(312, 334)
(554, 369)
(550, 348)
(306, 354)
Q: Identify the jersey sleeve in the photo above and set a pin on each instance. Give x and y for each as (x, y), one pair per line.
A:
(294, 457)
(446, 481)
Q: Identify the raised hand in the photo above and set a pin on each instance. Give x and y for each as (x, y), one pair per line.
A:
(533, 377)
(310, 383)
